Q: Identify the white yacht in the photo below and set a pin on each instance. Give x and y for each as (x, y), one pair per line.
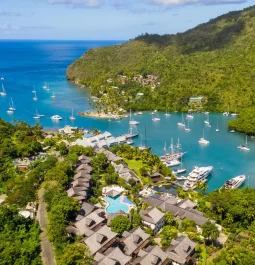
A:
(173, 154)
(3, 92)
(227, 112)
(156, 118)
(37, 116)
(203, 140)
(244, 147)
(132, 121)
(56, 118)
(72, 117)
(139, 113)
(234, 114)
(217, 129)
(189, 116)
(234, 183)
(182, 123)
(53, 95)
(172, 163)
(199, 173)
(45, 86)
(167, 113)
(180, 170)
(207, 122)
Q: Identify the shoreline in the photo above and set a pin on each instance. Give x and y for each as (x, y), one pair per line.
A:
(101, 115)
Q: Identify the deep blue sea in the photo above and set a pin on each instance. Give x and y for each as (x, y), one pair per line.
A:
(27, 64)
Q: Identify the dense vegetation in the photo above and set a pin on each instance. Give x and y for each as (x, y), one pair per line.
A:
(19, 238)
(215, 60)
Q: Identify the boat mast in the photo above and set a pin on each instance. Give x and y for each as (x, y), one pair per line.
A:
(145, 136)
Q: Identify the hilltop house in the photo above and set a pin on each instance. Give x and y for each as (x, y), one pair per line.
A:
(153, 218)
(196, 99)
(182, 250)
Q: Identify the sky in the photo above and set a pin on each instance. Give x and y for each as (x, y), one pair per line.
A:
(106, 19)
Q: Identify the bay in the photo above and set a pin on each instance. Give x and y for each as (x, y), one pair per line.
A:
(27, 64)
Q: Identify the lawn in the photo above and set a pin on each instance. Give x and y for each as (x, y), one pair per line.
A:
(135, 165)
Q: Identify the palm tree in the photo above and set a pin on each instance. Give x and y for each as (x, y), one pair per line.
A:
(210, 231)
(202, 186)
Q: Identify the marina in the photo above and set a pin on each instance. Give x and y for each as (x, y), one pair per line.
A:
(222, 152)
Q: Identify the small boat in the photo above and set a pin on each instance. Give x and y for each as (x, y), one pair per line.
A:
(132, 121)
(190, 115)
(187, 129)
(167, 114)
(56, 117)
(232, 131)
(33, 91)
(72, 117)
(203, 140)
(179, 170)
(2, 78)
(35, 98)
(206, 112)
(156, 118)
(3, 92)
(234, 183)
(244, 147)
(11, 108)
(182, 123)
(207, 122)
(130, 133)
(234, 114)
(53, 95)
(141, 146)
(139, 113)
(217, 129)
(45, 86)
(130, 141)
(227, 112)
(172, 163)
(37, 115)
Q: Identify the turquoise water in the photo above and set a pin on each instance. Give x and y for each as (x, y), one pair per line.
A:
(115, 205)
(27, 63)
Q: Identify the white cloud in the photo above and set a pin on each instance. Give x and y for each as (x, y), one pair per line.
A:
(84, 3)
(7, 27)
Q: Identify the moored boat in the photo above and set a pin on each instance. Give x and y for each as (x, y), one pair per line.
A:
(234, 183)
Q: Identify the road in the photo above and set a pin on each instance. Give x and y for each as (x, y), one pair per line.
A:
(47, 252)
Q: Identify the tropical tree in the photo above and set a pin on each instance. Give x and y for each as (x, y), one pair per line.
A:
(210, 230)
(120, 223)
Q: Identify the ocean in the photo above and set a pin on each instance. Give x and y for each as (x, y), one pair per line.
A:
(26, 65)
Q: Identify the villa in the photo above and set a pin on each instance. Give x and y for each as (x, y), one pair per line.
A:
(84, 160)
(125, 173)
(101, 240)
(131, 242)
(196, 99)
(151, 255)
(153, 218)
(89, 224)
(112, 256)
(77, 193)
(84, 168)
(68, 130)
(181, 251)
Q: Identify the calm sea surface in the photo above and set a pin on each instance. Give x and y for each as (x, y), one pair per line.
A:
(27, 64)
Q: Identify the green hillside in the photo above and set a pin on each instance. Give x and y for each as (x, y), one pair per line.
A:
(215, 60)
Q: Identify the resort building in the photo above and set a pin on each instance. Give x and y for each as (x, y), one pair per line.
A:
(68, 130)
(125, 173)
(153, 255)
(182, 251)
(112, 256)
(86, 209)
(89, 224)
(77, 193)
(84, 160)
(153, 218)
(196, 99)
(101, 240)
(84, 168)
(131, 242)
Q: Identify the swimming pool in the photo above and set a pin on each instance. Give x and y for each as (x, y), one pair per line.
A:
(115, 204)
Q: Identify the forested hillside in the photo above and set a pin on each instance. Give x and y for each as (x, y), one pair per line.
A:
(215, 60)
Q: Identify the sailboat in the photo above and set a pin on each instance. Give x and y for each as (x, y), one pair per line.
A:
(190, 115)
(156, 118)
(45, 86)
(234, 114)
(202, 140)
(3, 93)
(33, 91)
(167, 114)
(72, 117)
(53, 95)
(217, 129)
(174, 159)
(182, 123)
(132, 121)
(141, 146)
(180, 170)
(187, 129)
(11, 108)
(226, 113)
(37, 116)
(130, 133)
(207, 122)
(244, 147)
(35, 97)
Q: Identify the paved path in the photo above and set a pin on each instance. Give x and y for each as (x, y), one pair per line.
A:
(47, 252)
